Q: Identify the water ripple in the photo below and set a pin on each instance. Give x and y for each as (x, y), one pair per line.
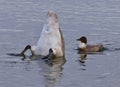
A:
(10, 30)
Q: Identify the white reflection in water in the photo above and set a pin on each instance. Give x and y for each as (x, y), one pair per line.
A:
(51, 69)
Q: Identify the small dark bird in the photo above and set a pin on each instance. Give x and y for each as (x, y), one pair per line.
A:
(83, 46)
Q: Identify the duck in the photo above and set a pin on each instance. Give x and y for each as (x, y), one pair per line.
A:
(85, 47)
(51, 41)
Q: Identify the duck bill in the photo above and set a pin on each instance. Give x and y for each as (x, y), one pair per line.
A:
(78, 39)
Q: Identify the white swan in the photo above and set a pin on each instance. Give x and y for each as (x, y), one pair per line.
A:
(51, 39)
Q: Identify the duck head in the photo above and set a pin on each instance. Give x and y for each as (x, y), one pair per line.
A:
(83, 42)
(83, 39)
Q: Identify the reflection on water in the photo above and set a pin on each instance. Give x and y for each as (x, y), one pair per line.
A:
(52, 69)
(82, 60)
(83, 57)
(54, 72)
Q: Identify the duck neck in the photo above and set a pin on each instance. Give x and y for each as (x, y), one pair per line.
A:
(82, 45)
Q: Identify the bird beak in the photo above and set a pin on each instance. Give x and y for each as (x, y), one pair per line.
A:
(78, 39)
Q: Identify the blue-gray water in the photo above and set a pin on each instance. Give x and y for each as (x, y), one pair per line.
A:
(21, 22)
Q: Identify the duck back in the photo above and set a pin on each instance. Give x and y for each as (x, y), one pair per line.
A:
(94, 48)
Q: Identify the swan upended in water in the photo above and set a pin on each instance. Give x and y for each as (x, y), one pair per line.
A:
(51, 39)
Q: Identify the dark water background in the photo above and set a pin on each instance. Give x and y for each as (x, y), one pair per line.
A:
(21, 22)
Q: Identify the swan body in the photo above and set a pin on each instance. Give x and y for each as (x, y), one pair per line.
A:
(51, 38)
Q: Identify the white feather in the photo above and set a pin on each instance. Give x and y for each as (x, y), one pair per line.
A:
(50, 38)
(82, 45)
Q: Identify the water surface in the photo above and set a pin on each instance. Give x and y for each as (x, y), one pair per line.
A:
(21, 22)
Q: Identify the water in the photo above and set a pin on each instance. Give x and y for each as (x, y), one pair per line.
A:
(21, 22)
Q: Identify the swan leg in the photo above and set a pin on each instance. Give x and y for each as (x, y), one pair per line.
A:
(26, 48)
(49, 58)
(50, 55)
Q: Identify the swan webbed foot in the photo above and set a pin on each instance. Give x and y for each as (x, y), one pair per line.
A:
(25, 49)
(50, 55)
(49, 58)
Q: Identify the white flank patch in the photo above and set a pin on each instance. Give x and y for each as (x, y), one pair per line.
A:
(82, 45)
